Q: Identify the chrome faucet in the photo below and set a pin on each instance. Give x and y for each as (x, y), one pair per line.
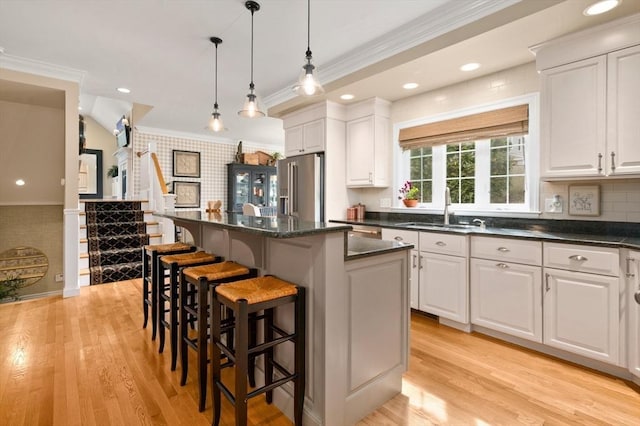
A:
(447, 203)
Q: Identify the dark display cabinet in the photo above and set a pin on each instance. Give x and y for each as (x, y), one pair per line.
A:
(257, 185)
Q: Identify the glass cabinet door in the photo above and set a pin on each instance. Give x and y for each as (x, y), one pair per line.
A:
(258, 189)
(242, 180)
(273, 190)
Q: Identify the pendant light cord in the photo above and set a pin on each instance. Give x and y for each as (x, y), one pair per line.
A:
(251, 85)
(308, 28)
(216, 79)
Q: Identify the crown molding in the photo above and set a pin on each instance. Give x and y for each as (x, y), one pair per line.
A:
(446, 18)
(45, 69)
(155, 131)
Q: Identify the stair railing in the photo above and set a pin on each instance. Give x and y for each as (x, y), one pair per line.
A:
(154, 188)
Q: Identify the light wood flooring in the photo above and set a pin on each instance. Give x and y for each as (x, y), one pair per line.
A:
(87, 361)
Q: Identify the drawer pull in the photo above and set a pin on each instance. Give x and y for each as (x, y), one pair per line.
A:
(578, 257)
(503, 249)
(441, 244)
(421, 257)
(414, 260)
(398, 238)
(629, 273)
(502, 265)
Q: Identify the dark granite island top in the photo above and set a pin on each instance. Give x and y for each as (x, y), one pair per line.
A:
(272, 227)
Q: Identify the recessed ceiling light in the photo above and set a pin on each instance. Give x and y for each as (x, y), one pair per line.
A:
(409, 86)
(470, 66)
(601, 7)
(123, 90)
(20, 182)
(347, 97)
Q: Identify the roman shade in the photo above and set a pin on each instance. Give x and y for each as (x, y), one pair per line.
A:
(510, 121)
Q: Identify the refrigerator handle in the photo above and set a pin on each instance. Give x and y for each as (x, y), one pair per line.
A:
(293, 189)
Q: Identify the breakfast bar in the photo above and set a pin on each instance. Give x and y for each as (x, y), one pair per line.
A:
(357, 308)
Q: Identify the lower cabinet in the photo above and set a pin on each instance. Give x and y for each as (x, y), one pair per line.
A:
(444, 278)
(415, 261)
(581, 313)
(507, 297)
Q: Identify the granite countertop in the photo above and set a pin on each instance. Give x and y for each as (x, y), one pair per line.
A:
(358, 247)
(535, 231)
(272, 227)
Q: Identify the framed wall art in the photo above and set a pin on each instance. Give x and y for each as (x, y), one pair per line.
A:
(584, 200)
(186, 164)
(187, 194)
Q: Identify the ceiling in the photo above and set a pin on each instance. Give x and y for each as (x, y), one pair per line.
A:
(161, 51)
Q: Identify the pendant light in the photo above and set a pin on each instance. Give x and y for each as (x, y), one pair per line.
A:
(251, 107)
(215, 123)
(308, 84)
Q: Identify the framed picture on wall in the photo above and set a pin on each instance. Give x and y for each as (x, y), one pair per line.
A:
(186, 164)
(584, 200)
(187, 194)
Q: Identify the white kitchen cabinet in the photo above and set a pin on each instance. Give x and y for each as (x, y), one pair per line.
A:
(623, 110)
(305, 138)
(444, 277)
(632, 272)
(368, 145)
(573, 119)
(590, 102)
(415, 260)
(506, 286)
(582, 300)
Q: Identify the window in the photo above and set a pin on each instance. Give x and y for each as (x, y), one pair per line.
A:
(489, 175)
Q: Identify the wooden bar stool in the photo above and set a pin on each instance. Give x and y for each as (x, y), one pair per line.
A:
(245, 298)
(168, 293)
(150, 279)
(197, 281)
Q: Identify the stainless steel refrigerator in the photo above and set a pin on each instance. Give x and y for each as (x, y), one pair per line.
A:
(301, 187)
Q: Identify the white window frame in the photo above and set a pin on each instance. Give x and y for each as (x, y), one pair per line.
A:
(530, 208)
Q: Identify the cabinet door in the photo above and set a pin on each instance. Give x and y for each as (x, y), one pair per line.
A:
(360, 151)
(314, 136)
(240, 189)
(293, 141)
(414, 279)
(581, 313)
(259, 188)
(507, 297)
(272, 189)
(623, 111)
(633, 285)
(573, 119)
(443, 286)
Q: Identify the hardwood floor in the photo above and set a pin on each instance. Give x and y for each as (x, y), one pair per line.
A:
(87, 361)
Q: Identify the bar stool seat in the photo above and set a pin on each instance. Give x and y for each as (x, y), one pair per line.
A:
(168, 293)
(150, 279)
(197, 280)
(246, 298)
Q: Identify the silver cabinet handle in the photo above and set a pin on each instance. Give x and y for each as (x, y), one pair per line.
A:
(421, 257)
(629, 273)
(546, 283)
(578, 257)
(613, 161)
(441, 244)
(415, 258)
(503, 249)
(502, 265)
(398, 238)
(599, 163)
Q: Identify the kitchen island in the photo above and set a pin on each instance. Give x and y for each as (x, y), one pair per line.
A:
(357, 309)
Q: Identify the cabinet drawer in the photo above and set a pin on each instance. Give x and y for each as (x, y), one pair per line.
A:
(436, 242)
(410, 237)
(597, 260)
(507, 249)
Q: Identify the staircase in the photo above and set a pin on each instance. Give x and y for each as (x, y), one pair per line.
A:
(112, 234)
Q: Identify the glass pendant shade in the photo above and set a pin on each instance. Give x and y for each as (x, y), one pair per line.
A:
(215, 122)
(251, 107)
(308, 84)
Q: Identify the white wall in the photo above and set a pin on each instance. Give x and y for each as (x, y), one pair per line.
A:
(98, 137)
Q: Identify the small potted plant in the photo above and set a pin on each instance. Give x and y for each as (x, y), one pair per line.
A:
(115, 182)
(409, 194)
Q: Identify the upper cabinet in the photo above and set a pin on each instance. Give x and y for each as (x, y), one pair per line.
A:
(307, 130)
(305, 138)
(590, 102)
(368, 143)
